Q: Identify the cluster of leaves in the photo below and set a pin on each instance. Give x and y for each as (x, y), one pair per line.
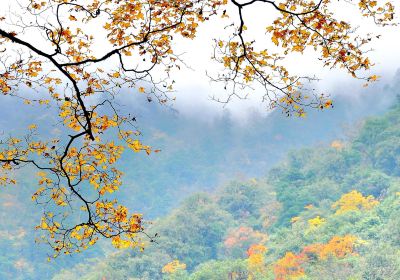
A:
(354, 201)
(82, 85)
(173, 267)
(302, 24)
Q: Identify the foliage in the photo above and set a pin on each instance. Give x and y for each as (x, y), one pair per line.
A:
(78, 168)
(256, 254)
(362, 243)
(315, 222)
(173, 267)
(240, 239)
(354, 201)
(289, 267)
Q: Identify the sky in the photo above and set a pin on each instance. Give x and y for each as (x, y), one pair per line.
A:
(194, 89)
(385, 55)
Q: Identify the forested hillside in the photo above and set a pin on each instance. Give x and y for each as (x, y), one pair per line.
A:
(329, 212)
(198, 154)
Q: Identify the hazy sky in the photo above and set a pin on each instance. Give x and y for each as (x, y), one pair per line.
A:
(194, 88)
(385, 55)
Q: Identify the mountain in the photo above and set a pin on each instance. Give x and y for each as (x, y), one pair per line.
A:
(198, 154)
(324, 212)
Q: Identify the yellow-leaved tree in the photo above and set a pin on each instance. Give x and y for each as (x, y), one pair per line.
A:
(354, 201)
(80, 54)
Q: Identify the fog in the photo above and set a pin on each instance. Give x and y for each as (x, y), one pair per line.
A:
(194, 90)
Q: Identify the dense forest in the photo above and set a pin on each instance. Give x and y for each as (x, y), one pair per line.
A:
(327, 210)
(323, 213)
(109, 174)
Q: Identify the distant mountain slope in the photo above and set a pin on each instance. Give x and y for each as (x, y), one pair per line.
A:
(326, 212)
(198, 154)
